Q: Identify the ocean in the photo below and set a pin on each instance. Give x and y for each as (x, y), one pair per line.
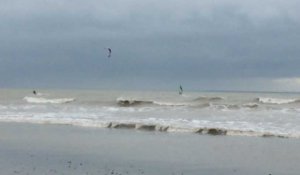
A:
(212, 113)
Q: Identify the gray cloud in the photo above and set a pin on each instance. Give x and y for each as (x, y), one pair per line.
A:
(203, 44)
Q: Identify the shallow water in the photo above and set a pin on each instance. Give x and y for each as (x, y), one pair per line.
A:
(216, 113)
(59, 149)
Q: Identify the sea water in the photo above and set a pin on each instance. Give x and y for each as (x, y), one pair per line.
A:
(215, 113)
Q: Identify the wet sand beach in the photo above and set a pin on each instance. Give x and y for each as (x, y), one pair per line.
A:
(63, 149)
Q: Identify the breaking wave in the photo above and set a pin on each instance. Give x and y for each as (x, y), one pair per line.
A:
(251, 105)
(234, 106)
(202, 130)
(276, 100)
(208, 99)
(46, 100)
(170, 104)
(145, 126)
(133, 102)
(205, 102)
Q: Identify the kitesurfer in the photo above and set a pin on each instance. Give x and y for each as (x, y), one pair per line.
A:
(109, 52)
(180, 90)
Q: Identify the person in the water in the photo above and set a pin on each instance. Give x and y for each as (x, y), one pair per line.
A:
(34, 92)
(180, 90)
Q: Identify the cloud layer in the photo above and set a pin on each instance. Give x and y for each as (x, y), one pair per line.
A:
(202, 44)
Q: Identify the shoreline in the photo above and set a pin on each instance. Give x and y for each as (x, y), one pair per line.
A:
(66, 149)
(212, 131)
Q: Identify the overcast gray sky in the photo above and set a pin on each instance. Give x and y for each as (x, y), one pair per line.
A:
(157, 44)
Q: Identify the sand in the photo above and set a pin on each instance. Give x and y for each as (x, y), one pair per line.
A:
(63, 149)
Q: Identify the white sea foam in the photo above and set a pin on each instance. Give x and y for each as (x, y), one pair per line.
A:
(216, 114)
(131, 102)
(48, 100)
(42, 94)
(134, 102)
(167, 126)
(276, 100)
(170, 103)
(203, 98)
(251, 105)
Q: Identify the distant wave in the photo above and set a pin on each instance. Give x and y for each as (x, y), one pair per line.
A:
(170, 104)
(235, 106)
(276, 100)
(251, 105)
(208, 98)
(206, 102)
(46, 100)
(133, 102)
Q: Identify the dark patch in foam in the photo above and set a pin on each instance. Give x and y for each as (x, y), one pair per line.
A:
(267, 135)
(211, 131)
(123, 125)
(132, 102)
(208, 131)
(162, 128)
(214, 131)
(272, 135)
(233, 106)
(109, 125)
(146, 127)
(251, 105)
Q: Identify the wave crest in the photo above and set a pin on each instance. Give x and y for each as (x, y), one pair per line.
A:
(138, 126)
(276, 100)
(46, 100)
(208, 99)
(132, 102)
(203, 130)
(214, 131)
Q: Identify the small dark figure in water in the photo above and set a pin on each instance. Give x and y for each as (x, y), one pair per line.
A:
(109, 52)
(34, 92)
(180, 90)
